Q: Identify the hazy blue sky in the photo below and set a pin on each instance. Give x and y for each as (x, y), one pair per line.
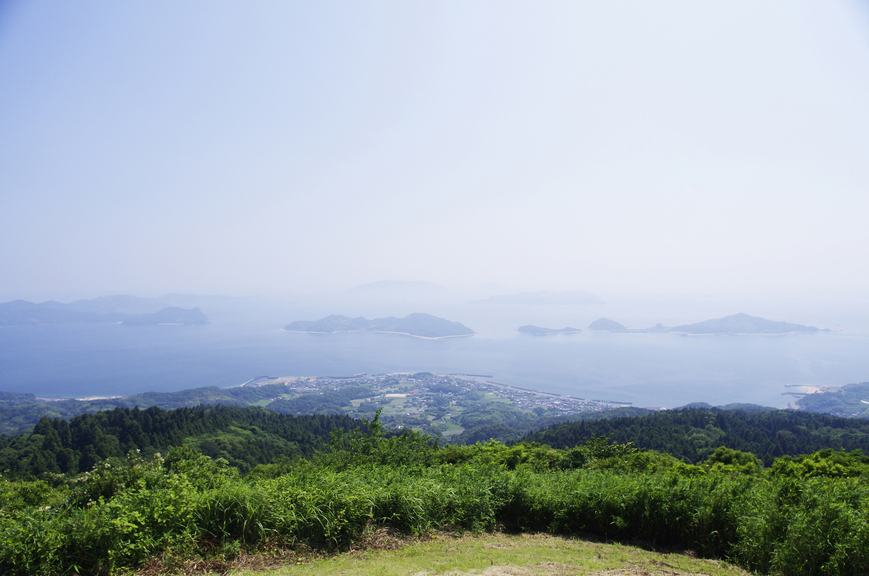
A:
(282, 147)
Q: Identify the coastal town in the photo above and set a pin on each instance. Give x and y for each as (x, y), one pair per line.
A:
(437, 404)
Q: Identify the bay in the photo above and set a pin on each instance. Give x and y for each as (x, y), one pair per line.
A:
(666, 370)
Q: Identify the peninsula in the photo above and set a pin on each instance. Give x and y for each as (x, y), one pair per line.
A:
(418, 325)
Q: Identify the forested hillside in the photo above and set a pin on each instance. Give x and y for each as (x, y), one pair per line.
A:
(244, 437)
(247, 436)
(20, 412)
(693, 435)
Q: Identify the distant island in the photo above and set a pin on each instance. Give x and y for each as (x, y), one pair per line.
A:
(170, 315)
(606, 325)
(734, 324)
(418, 325)
(540, 331)
(23, 313)
(575, 297)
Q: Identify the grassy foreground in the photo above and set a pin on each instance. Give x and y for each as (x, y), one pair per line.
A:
(501, 555)
(187, 513)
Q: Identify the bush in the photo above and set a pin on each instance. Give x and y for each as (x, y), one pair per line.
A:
(124, 512)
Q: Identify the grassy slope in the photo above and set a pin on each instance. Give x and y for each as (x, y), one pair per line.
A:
(499, 555)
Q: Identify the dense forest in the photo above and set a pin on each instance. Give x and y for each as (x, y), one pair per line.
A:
(693, 435)
(244, 437)
(248, 436)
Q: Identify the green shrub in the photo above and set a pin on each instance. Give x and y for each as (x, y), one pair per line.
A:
(813, 526)
(791, 520)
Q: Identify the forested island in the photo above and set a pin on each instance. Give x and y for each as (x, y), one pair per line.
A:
(23, 313)
(419, 325)
(734, 324)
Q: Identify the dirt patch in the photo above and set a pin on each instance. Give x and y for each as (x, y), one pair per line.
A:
(260, 561)
(384, 538)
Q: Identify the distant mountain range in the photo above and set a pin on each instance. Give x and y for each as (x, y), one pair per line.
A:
(127, 310)
(735, 324)
(419, 325)
(575, 297)
(539, 331)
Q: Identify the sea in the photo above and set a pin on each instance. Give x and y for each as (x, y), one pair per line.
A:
(647, 370)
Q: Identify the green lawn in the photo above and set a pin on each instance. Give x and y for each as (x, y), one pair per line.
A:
(499, 555)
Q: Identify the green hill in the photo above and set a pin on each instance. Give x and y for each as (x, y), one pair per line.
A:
(244, 437)
(693, 434)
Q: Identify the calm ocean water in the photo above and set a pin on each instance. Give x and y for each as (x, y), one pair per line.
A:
(646, 369)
